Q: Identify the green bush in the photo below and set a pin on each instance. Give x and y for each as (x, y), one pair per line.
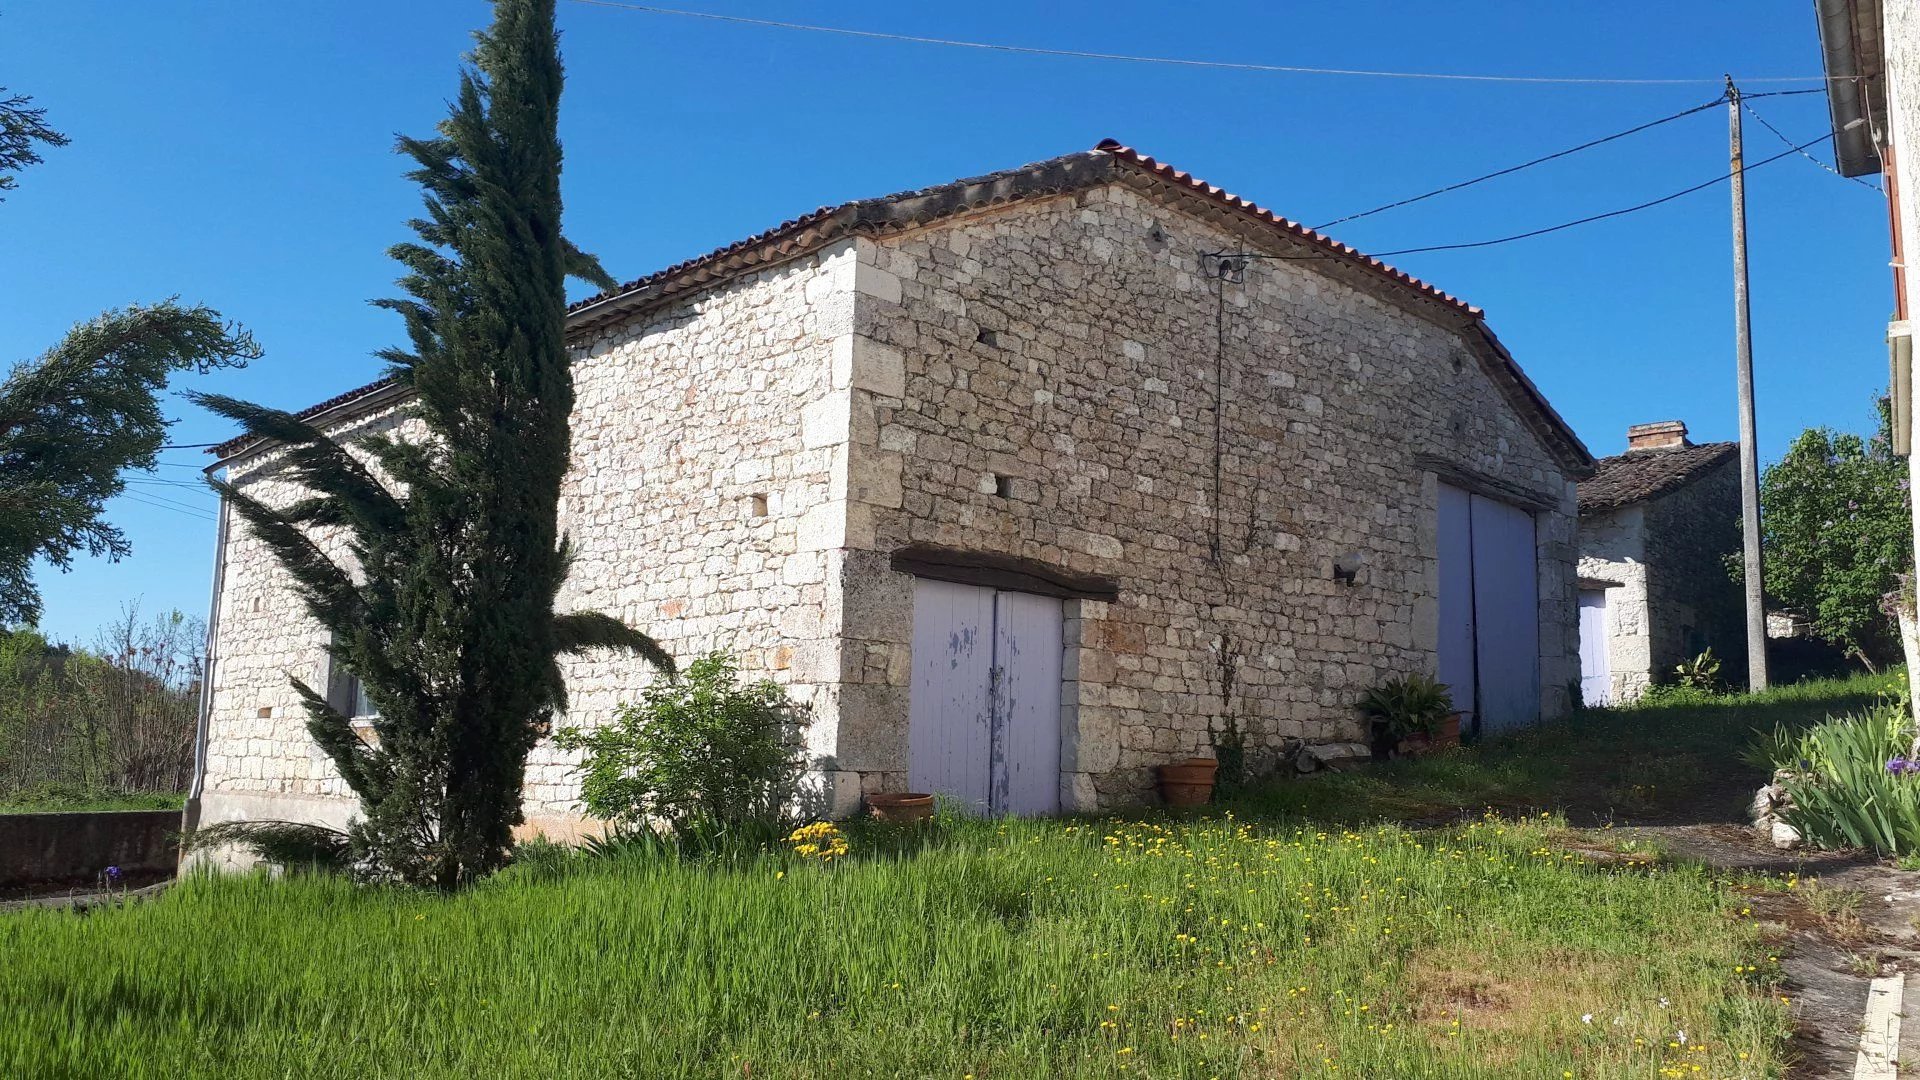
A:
(1850, 781)
(702, 755)
(1407, 705)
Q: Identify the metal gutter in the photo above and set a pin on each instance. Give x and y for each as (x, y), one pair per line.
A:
(190, 817)
(1850, 49)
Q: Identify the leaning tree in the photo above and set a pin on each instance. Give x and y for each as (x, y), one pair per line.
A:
(443, 605)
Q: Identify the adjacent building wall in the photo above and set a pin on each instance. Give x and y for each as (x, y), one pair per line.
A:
(1050, 380)
(1670, 593)
(1613, 554)
(690, 422)
(1696, 604)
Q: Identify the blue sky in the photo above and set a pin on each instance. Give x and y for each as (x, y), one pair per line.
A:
(239, 154)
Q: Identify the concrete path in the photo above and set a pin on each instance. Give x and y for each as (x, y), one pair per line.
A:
(1854, 982)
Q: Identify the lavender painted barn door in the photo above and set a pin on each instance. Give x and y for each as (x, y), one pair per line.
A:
(1506, 615)
(983, 721)
(1456, 599)
(1026, 747)
(950, 714)
(1596, 674)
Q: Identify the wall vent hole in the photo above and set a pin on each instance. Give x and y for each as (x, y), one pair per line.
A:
(757, 506)
(988, 338)
(1003, 486)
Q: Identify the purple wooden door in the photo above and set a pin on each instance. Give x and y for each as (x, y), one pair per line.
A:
(983, 720)
(1506, 615)
(1026, 745)
(1456, 598)
(1596, 674)
(949, 721)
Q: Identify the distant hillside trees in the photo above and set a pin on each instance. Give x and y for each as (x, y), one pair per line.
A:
(116, 718)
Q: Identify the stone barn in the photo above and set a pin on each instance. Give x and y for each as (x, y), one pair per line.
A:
(1023, 484)
(1656, 526)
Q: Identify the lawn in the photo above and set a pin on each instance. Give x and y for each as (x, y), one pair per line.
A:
(66, 801)
(1259, 939)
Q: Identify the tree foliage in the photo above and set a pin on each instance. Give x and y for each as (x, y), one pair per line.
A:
(444, 607)
(74, 420)
(23, 130)
(1838, 533)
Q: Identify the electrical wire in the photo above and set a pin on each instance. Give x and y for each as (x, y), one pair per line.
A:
(199, 514)
(1288, 69)
(1783, 138)
(1510, 170)
(1648, 205)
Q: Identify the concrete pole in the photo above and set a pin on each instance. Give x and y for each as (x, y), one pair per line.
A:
(1749, 446)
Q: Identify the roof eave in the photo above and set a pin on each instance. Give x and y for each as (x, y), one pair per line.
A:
(1855, 94)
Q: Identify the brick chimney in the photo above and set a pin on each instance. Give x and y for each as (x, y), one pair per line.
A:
(1659, 436)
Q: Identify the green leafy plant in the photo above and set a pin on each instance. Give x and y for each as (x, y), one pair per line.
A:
(701, 755)
(1407, 705)
(1838, 533)
(1700, 672)
(1849, 780)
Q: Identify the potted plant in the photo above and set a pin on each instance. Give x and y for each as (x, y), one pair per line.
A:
(902, 806)
(1189, 782)
(1410, 714)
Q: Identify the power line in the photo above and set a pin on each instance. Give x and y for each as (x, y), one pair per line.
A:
(1649, 204)
(199, 514)
(1510, 170)
(189, 446)
(1783, 138)
(1609, 214)
(1287, 69)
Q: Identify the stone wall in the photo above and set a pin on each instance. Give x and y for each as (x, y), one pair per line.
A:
(1613, 552)
(1041, 380)
(1051, 373)
(694, 506)
(76, 848)
(1695, 602)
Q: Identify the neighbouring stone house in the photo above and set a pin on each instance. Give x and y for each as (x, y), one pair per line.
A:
(1656, 526)
(1024, 484)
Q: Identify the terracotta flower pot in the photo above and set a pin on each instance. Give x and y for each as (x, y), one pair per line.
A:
(1188, 783)
(901, 806)
(1448, 733)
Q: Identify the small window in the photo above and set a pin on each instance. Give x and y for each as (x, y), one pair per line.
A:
(757, 506)
(346, 693)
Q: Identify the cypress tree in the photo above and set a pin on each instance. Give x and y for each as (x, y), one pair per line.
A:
(446, 611)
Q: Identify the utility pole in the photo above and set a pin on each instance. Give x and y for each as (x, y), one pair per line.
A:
(1749, 445)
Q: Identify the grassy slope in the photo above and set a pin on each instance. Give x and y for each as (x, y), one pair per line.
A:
(64, 803)
(1648, 765)
(1239, 943)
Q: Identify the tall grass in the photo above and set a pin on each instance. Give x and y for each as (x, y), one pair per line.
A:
(1165, 948)
(1849, 782)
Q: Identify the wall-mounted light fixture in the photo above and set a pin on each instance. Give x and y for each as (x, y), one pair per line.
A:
(1346, 568)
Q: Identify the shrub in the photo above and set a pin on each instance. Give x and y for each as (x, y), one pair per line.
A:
(701, 755)
(1699, 673)
(1849, 781)
(1407, 705)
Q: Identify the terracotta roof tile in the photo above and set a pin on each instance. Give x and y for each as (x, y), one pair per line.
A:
(1644, 474)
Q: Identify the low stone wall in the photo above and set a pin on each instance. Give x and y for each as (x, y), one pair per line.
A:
(38, 849)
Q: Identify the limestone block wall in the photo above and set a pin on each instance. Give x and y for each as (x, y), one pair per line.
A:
(695, 503)
(1045, 385)
(1694, 601)
(1613, 551)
